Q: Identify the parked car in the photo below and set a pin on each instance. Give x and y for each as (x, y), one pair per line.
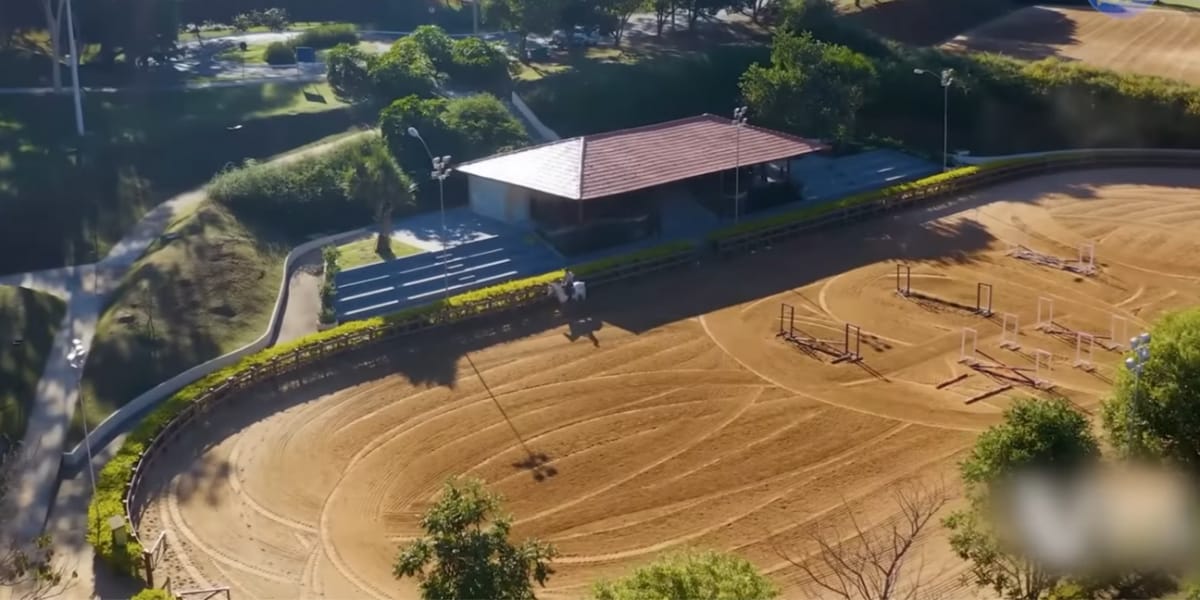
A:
(536, 51)
(585, 37)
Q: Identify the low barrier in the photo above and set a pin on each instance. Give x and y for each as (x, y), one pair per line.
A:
(117, 491)
(765, 232)
(116, 422)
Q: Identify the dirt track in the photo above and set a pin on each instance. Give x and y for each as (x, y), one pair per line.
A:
(686, 421)
(1156, 42)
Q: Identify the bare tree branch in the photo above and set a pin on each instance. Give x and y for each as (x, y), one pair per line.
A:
(869, 563)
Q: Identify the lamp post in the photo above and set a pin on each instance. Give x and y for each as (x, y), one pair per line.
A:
(739, 119)
(74, 70)
(441, 170)
(946, 78)
(1140, 346)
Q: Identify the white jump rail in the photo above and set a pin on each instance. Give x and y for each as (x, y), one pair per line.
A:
(116, 422)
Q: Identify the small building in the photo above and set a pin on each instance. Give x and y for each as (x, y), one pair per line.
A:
(603, 189)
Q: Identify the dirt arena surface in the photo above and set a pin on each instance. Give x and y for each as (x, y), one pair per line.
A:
(1156, 42)
(675, 416)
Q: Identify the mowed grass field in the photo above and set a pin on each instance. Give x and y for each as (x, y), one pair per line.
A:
(1158, 42)
(28, 322)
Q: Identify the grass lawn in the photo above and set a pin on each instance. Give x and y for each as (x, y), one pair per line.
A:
(28, 322)
(533, 71)
(255, 53)
(362, 252)
(141, 148)
(187, 36)
(206, 292)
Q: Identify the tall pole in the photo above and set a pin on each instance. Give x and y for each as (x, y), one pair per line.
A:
(1140, 346)
(441, 170)
(739, 117)
(74, 70)
(945, 122)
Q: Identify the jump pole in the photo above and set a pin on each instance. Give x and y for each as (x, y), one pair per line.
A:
(1085, 346)
(967, 346)
(1043, 364)
(857, 354)
(983, 299)
(788, 312)
(903, 286)
(1047, 304)
(1008, 336)
(1118, 331)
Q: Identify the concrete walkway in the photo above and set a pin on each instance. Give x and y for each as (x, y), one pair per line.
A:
(86, 289)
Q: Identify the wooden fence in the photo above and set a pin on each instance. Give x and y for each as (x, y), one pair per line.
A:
(762, 238)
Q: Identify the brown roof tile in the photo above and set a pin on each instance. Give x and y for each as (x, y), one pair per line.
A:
(632, 159)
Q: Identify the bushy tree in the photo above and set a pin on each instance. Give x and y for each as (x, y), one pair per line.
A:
(149, 39)
(348, 72)
(425, 114)
(1035, 434)
(403, 70)
(279, 53)
(811, 87)
(483, 125)
(1160, 411)
(690, 575)
(466, 553)
(377, 181)
(434, 43)
(619, 12)
(475, 62)
(524, 16)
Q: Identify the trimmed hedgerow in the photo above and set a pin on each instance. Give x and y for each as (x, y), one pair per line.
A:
(326, 36)
(118, 473)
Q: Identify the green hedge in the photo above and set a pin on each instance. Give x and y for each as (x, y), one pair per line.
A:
(112, 480)
(811, 212)
(279, 53)
(326, 36)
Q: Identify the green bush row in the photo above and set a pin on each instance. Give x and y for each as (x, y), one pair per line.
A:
(279, 53)
(326, 36)
(811, 212)
(108, 501)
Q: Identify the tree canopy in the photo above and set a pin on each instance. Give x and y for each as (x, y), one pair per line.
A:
(466, 553)
(811, 87)
(690, 575)
(403, 70)
(1035, 433)
(348, 69)
(1164, 403)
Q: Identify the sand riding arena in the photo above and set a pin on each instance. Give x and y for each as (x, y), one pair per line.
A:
(724, 406)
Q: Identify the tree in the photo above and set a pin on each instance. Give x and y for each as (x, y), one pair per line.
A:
(26, 569)
(523, 16)
(483, 125)
(279, 53)
(475, 62)
(377, 181)
(811, 87)
(663, 9)
(690, 575)
(434, 43)
(466, 552)
(403, 70)
(1035, 434)
(1164, 403)
(348, 72)
(53, 11)
(144, 32)
(425, 114)
(870, 564)
(620, 11)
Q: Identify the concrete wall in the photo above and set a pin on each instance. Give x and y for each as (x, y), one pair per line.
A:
(500, 201)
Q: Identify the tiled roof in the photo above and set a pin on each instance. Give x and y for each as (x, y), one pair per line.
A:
(605, 164)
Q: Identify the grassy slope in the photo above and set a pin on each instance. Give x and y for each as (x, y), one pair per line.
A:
(34, 318)
(142, 149)
(186, 301)
(362, 252)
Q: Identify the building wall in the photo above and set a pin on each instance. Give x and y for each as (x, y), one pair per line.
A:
(499, 201)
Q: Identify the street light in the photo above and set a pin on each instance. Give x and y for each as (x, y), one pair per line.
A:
(74, 70)
(441, 170)
(946, 79)
(76, 357)
(1140, 346)
(739, 119)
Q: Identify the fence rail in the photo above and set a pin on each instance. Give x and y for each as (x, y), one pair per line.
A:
(1018, 169)
(307, 355)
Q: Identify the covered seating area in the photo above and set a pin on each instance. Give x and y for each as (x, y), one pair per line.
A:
(594, 191)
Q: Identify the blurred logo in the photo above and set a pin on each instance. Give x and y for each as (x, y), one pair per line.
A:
(1121, 9)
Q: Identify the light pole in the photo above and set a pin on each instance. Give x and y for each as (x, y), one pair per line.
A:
(946, 79)
(1140, 346)
(441, 170)
(739, 119)
(74, 70)
(75, 358)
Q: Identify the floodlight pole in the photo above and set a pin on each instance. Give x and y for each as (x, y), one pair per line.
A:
(1140, 346)
(441, 170)
(74, 70)
(739, 119)
(946, 79)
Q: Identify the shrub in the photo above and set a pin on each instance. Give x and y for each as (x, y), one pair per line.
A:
(434, 42)
(483, 126)
(404, 70)
(330, 255)
(152, 594)
(327, 36)
(279, 53)
(465, 128)
(477, 63)
(302, 197)
(348, 72)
